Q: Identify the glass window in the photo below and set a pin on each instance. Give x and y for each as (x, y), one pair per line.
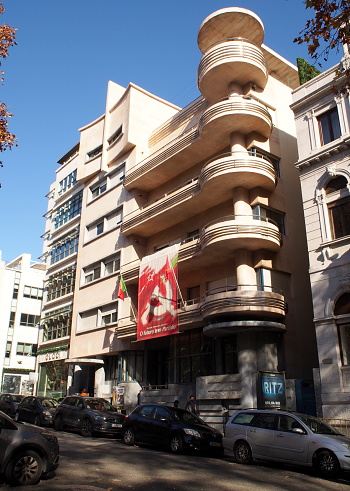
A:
(339, 215)
(69, 210)
(64, 247)
(30, 320)
(263, 421)
(329, 126)
(26, 349)
(262, 213)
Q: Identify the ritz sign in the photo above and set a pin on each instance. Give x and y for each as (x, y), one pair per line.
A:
(271, 390)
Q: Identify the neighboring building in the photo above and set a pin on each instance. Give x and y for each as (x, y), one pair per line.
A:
(61, 239)
(21, 293)
(218, 179)
(323, 132)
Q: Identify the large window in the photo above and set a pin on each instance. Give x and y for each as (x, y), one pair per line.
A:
(57, 324)
(30, 320)
(61, 283)
(26, 349)
(65, 247)
(33, 292)
(67, 182)
(98, 317)
(69, 210)
(102, 268)
(338, 202)
(104, 224)
(267, 213)
(329, 126)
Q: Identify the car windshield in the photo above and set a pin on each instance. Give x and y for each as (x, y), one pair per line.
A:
(318, 426)
(187, 417)
(99, 405)
(48, 402)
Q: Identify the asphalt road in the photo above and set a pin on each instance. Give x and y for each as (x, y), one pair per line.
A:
(106, 464)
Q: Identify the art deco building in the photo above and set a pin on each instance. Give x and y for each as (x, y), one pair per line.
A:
(21, 293)
(323, 131)
(218, 179)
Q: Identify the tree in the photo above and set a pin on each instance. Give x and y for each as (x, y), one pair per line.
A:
(7, 39)
(329, 29)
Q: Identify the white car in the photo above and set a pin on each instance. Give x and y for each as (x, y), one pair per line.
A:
(286, 437)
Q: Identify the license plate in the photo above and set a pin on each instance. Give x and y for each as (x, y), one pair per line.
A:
(116, 425)
(215, 444)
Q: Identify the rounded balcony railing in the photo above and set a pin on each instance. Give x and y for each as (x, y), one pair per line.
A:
(241, 114)
(238, 60)
(250, 232)
(234, 169)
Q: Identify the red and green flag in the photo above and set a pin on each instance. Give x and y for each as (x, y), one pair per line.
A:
(122, 288)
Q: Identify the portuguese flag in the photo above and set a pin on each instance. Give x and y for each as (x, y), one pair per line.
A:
(122, 288)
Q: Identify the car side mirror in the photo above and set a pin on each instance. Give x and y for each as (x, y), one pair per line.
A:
(298, 430)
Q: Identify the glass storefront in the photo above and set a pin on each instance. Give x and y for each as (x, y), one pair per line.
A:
(53, 378)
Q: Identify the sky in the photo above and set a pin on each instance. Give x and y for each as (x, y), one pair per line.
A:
(56, 81)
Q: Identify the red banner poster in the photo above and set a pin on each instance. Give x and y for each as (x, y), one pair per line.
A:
(157, 303)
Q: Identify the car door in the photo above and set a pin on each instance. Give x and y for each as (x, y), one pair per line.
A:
(143, 424)
(24, 409)
(290, 445)
(4, 436)
(73, 412)
(160, 426)
(260, 435)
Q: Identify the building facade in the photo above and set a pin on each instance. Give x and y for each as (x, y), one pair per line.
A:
(21, 293)
(61, 238)
(323, 132)
(218, 179)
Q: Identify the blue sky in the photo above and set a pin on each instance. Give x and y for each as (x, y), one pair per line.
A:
(56, 80)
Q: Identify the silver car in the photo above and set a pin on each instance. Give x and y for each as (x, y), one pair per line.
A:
(291, 438)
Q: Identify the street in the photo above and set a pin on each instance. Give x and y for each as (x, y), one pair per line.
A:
(106, 464)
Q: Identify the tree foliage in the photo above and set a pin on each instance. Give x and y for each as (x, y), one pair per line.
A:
(328, 29)
(7, 39)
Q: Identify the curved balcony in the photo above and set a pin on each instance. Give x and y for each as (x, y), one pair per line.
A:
(230, 170)
(240, 113)
(234, 232)
(243, 300)
(214, 186)
(238, 60)
(230, 22)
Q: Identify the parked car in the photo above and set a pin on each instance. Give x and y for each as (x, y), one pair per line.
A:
(26, 452)
(89, 415)
(286, 437)
(9, 403)
(172, 427)
(36, 410)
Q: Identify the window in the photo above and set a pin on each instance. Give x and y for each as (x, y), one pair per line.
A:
(230, 356)
(95, 152)
(67, 182)
(274, 160)
(116, 135)
(26, 349)
(98, 189)
(98, 317)
(105, 267)
(68, 211)
(105, 224)
(131, 366)
(265, 213)
(61, 283)
(33, 292)
(57, 324)
(329, 126)
(8, 349)
(338, 203)
(30, 320)
(65, 247)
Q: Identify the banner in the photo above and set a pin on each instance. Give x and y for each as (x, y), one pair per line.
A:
(157, 301)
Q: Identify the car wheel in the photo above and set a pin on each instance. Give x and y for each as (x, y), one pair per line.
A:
(327, 464)
(37, 420)
(175, 444)
(24, 469)
(128, 436)
(86, 428)
(57, 423)
(242, 452)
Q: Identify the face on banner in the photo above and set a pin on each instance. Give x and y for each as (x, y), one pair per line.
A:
(157, 309)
